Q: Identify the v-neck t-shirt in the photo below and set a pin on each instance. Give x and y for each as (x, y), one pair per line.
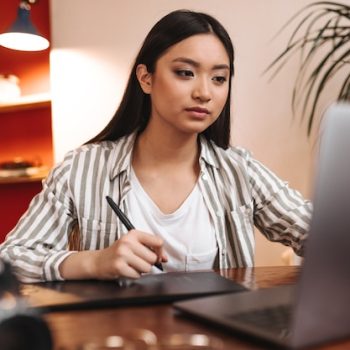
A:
(188, 234)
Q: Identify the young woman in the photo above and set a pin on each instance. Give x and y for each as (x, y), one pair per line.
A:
(165, 159)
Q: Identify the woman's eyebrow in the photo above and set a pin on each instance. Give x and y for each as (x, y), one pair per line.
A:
(197, 64)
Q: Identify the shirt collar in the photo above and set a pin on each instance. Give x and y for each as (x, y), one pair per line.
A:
(125, 146)
(208, 152)
(122, 155)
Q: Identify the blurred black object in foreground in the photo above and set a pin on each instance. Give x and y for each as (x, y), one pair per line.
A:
(20, 328)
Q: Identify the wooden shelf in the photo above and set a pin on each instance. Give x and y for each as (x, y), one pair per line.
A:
(24, 179)
(26, 103)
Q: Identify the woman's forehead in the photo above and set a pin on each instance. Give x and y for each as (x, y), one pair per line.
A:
(201, 48)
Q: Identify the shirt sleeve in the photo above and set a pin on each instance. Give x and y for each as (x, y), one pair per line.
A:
(280, 213)
(39, 242)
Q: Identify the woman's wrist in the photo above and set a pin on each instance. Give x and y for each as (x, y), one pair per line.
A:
(79, 265)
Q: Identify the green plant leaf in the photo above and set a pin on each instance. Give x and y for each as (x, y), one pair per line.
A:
(322, 39)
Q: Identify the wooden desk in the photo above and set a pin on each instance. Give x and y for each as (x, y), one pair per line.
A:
(71, 329)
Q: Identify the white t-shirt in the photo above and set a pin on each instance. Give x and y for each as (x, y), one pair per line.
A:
(188, 233)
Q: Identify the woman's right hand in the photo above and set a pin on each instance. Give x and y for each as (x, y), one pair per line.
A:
(130, 256)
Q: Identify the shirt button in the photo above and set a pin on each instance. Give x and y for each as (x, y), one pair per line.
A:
(204, 177)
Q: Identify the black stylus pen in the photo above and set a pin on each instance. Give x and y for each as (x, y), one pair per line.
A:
(123, 218)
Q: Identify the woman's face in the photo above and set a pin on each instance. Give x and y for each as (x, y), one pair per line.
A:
(190, 84)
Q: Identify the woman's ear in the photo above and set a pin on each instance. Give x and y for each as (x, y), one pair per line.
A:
(144, 78)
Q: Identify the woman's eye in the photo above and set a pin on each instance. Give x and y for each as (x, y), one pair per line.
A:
(220, 80)
(184, 73)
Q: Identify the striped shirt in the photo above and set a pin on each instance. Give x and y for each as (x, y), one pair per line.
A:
(238, 191)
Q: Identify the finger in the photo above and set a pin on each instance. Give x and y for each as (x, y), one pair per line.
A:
(139, 264)
(158, 254)
(145, 253)
(153, 243)
(161, 256)
(130, 272)
(122, 269)
(149, 240)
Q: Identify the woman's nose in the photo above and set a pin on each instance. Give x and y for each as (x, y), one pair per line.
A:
(202, 91)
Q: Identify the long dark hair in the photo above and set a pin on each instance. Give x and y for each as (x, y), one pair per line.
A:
(135, 108)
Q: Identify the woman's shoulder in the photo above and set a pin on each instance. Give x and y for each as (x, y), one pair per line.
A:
(232, 154)
(240, 152)
(93, 155)
(96, 147)
(101, 148)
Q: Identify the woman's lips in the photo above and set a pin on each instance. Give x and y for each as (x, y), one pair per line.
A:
(198, 112)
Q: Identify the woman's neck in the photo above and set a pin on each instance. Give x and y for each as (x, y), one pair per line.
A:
(166, 148)
(167, 167)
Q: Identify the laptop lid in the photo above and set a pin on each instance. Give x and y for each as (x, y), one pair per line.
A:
(323, 307)
(320, 307)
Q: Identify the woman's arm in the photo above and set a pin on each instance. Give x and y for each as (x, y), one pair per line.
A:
(38, 243)
(281, 213)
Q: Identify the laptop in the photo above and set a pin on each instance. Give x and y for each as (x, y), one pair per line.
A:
(317, 308)
(149, 289)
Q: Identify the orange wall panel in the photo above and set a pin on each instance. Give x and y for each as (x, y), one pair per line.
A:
(14, 201)
(24, 133)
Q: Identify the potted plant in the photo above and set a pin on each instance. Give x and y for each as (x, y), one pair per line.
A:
(322, 39)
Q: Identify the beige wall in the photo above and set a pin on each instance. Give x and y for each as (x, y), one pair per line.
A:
(94, 43)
